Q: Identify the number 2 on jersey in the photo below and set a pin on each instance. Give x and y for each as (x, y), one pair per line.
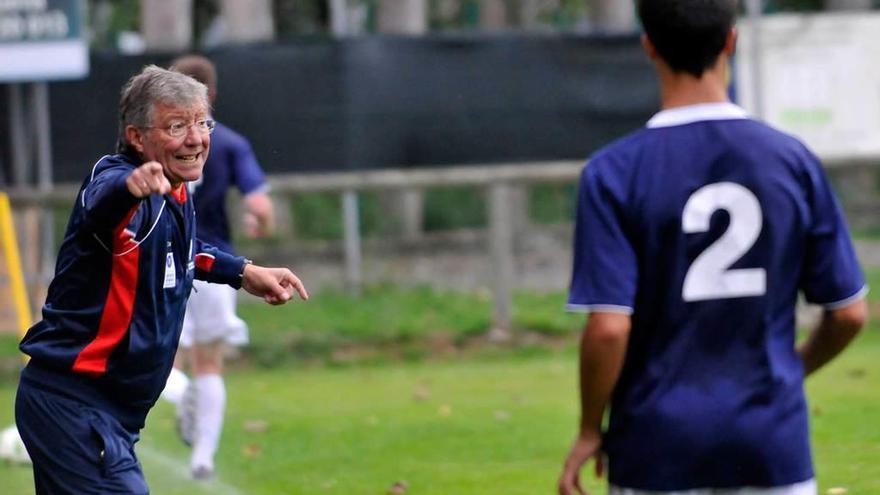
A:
(709, 277)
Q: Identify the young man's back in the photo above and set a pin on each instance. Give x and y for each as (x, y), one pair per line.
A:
(694, 237)
(707, 224)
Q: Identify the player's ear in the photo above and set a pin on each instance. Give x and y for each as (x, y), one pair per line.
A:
(730, 42)
(135, 137)
(649, 48)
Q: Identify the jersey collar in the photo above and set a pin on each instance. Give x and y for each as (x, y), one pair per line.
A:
(179, 194)
(696, 113)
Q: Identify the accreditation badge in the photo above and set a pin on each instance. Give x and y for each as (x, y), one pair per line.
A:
(170, 272)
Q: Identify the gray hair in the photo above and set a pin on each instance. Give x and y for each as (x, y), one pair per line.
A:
(155, 85)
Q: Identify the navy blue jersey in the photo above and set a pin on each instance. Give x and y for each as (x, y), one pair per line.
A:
(231, 162)
(705, 226)
(115, 307)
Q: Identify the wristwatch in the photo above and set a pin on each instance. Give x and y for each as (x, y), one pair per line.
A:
(246, 263)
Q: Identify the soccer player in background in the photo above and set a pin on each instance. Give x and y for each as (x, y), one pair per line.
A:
(693, 238)
(114, 310)
(210, 323)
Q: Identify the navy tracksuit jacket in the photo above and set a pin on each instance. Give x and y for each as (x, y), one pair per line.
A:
(115, 307)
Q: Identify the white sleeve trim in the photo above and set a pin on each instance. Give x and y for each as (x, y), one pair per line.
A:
(598, 308)
(845, 302)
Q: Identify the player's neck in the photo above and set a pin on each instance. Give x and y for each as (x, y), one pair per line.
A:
(678, 89)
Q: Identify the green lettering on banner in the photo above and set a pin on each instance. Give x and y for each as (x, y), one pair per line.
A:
(39, 20)
(42, 40)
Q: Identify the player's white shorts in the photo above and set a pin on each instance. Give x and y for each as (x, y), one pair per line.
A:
(803, 488)
(210, 316)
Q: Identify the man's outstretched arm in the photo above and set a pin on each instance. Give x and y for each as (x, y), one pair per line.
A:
(274, 285)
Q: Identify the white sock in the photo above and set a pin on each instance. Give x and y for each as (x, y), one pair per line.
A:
(210, 406)
(174, 386)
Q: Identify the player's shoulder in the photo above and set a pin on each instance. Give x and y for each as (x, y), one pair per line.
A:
(770, 135)
(617, 157)
(118, 163)
(776, 145)
(227, 137)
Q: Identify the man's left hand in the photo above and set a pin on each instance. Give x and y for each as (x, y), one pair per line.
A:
(274, 285)
(587, 445)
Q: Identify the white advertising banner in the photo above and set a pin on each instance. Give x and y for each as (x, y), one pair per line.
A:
(820, 79)
(42, 40)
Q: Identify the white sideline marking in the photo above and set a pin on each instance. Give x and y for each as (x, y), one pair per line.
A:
(174, 468)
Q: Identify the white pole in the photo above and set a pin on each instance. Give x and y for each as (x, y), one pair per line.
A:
(501, 253)
(352, 240)
(339, 17)
(351, 235)
(755, 9)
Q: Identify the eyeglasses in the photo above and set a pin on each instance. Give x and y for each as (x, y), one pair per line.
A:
(178, 129)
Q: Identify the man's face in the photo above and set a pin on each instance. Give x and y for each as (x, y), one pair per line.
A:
(182, 157)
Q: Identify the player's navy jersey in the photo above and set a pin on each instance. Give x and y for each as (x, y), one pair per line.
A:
(704, 226)
(115, 307)
(230, 162)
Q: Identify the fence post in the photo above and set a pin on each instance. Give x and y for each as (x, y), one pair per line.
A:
(501, 259)
(352, 241)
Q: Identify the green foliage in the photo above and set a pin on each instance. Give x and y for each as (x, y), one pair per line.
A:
(319, 215)
(454, 208)
(568, 14)
(300, 17)
(107, 19)
(543, 312)
(552, 203)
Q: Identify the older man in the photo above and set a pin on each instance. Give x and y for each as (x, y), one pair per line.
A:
(113, 314)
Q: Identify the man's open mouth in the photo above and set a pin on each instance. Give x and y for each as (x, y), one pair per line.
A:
(187, 158)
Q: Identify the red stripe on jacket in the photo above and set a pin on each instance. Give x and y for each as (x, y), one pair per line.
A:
(119, 306)
(204, 262)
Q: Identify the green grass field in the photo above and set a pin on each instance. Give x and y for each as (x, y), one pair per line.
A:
(481, 420)
(486, 423)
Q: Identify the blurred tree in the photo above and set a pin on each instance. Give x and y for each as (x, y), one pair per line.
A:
(205, 12)
(493, 15)
(613, 16)
(301, 17)
(167, 25)
(108, 18)
(247, 21)
(498, 15)
(402, 16)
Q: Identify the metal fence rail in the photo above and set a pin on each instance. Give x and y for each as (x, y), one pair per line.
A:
(499, 180)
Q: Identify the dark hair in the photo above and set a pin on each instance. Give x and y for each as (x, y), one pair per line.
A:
(689, 35)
